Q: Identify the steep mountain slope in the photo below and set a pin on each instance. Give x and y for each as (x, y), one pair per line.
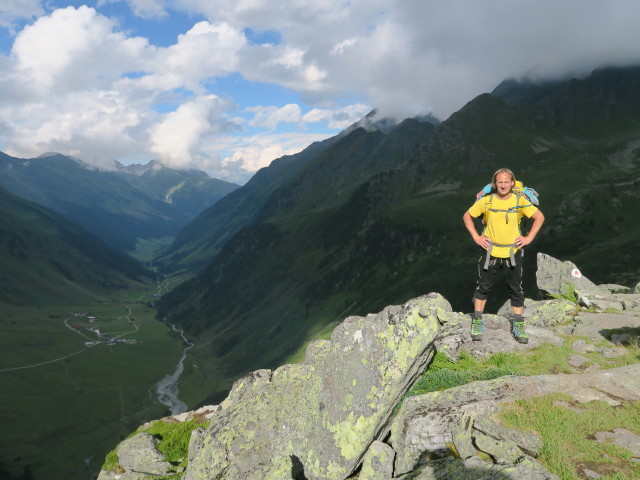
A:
(316, 255)
(108, 204)
(287, 180)
(45, 259)
(331, 179)
(198, 242)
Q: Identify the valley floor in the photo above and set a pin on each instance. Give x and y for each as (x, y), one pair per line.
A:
(76, 379)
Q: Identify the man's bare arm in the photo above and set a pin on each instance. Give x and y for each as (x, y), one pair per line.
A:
(481, 240)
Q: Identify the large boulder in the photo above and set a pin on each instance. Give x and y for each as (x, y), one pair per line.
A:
(555, 277)
(316, 420)
(139, 458)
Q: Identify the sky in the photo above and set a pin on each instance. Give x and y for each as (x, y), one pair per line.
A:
(227, 86)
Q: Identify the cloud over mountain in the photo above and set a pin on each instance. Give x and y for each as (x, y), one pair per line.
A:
(101, 82)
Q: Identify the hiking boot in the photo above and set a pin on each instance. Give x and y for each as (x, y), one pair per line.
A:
(518, 332)
(477, 327)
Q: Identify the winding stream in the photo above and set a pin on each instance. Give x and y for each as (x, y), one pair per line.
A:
(167, 388)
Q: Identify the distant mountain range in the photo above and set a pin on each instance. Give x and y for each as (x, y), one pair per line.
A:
(120, 206)
(45, 259)
(373, 217)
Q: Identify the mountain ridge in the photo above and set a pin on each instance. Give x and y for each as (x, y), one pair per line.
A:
(47, 259)
(119, 207)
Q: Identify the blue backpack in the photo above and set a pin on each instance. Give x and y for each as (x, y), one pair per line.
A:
(518, 189)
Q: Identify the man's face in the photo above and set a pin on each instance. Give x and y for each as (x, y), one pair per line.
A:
(504, 183)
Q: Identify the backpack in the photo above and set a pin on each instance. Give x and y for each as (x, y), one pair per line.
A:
(519, 190)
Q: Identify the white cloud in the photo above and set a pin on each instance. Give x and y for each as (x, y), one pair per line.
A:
(68, 90)
(253, 153)
(82, 83)
(339, 118)
(271, 117)
(179, 140)
(12, 10)
(96, 127)
(411, 56)
(73, 49)
(206, 50)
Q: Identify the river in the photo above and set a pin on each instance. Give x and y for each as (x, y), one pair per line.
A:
(167, 388)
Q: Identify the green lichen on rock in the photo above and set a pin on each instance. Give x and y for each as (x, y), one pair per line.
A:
(544, 313)
(320, 416)
(378, 462)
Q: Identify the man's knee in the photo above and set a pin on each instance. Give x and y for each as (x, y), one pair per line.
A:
(517, 302)
(480, 295)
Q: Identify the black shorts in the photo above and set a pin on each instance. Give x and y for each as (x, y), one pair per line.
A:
(512, 276)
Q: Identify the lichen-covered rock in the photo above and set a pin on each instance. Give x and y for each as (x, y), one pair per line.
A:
(555, 277)
(623, 438)
(600, 326)
(615, 288)
(455, 337)
(139, 457)
(630, 301)
(486, 450)
(527, 442)
(378, 462)
(206, 411)
(461, 438)
(452, 318)
(599, 302)
(503, 452)
(315, 420)
(636, 289)
(544, 313)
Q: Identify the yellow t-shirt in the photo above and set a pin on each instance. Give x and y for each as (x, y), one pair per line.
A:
(498, 229)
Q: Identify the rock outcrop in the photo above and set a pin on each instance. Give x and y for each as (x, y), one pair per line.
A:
(426, 423)
(560, 278)
(544, 313)
(332, 417)
(316, 420)
(555, 277)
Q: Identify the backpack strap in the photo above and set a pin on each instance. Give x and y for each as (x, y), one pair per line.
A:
(512, 256)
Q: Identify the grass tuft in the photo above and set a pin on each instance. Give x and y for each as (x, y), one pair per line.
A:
(568, 434)
(443, 373)
(568, 294)
(173, 445)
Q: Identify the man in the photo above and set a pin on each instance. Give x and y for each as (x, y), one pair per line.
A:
(503, 243)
